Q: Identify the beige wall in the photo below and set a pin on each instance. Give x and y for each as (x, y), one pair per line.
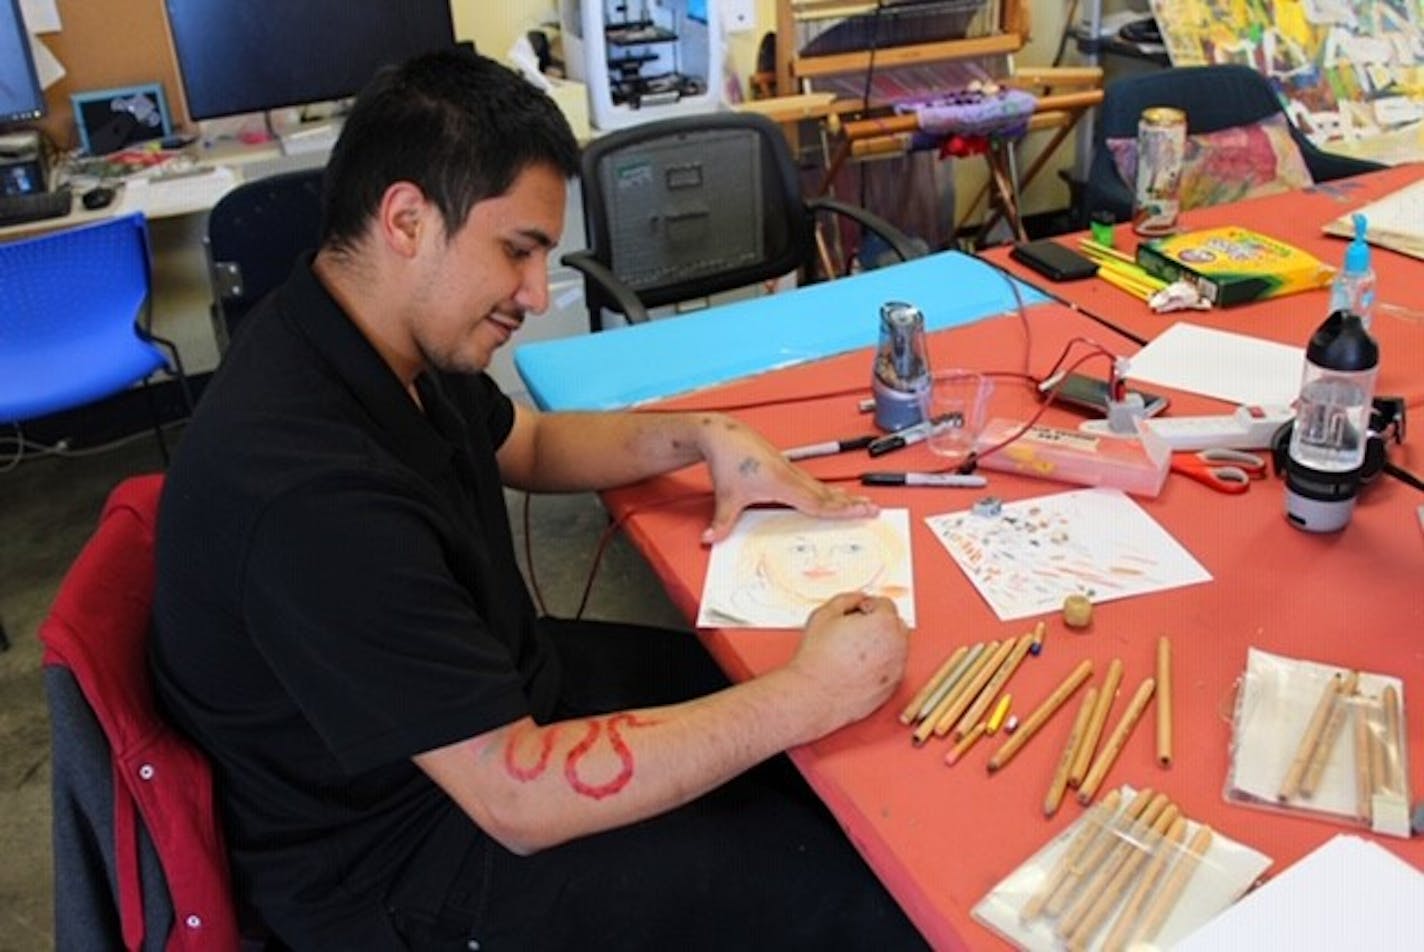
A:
(494, 24)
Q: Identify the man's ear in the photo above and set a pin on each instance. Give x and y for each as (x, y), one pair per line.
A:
(403, 216)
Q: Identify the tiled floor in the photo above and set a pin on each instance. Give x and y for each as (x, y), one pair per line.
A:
(47, 509)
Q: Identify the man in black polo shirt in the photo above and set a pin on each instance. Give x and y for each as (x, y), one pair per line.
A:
(406, 756)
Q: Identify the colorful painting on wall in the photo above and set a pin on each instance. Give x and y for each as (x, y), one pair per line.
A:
(1351, 72)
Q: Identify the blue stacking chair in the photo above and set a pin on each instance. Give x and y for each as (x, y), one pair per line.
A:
(74, 314)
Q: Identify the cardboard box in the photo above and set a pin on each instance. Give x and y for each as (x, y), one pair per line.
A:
(1233, 265)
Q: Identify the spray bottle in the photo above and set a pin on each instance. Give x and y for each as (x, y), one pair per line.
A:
(1354, 287)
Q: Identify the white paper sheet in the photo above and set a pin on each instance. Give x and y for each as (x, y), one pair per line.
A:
(1226, 870)
(1348, 894)
(1231, 367)
(1038, 551)
(41, 16)
(778, 565)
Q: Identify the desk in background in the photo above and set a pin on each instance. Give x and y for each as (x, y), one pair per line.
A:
(1297, 218)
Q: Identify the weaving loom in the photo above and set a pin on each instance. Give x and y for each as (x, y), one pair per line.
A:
(928, 74)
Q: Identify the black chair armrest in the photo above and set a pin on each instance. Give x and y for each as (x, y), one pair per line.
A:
(619, 294)
(900, 242)
(1328, 166)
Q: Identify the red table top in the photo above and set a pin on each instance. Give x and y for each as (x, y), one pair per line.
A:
(1295, 217)
(941, 837)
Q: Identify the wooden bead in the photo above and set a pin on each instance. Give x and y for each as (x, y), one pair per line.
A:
(1077, 611)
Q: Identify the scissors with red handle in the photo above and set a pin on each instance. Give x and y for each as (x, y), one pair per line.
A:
(1226, 471)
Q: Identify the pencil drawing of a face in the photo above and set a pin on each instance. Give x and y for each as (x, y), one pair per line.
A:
(808, 561)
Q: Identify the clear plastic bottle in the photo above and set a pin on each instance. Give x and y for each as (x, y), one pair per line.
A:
(1328, 440)
(1354, 287)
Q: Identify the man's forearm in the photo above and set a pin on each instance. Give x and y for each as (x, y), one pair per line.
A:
(593, 451)
(532, 787)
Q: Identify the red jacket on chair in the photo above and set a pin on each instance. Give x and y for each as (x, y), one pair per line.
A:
(98, 631)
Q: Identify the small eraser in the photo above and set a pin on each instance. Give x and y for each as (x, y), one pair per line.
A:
(1012, 724)
(1077, 611)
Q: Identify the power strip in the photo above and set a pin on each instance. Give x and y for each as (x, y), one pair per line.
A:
(1249, 428)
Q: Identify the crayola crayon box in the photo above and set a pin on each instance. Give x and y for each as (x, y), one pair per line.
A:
(1233, 265)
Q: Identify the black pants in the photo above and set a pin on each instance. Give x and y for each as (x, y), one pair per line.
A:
(757, 863)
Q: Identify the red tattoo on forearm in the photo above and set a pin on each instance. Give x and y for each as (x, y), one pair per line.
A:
(546, 747)
(625, 757)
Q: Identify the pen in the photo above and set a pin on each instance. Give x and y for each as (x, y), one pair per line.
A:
(828, 448)
(901, 438)
(923, 479)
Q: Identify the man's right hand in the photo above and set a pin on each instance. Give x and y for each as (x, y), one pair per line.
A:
(853, 652)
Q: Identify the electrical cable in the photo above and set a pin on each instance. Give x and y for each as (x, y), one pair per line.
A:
(1403, 475)
(29, 449)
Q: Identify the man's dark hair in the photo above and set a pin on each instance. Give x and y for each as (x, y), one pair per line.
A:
(458, 125)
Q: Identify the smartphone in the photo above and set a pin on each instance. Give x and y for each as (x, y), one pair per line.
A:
(1053, 261)
(1091, 393)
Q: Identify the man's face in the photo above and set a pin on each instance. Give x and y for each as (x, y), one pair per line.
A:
(477, 287)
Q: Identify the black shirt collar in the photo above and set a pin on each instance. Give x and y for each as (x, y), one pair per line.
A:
(306, 304)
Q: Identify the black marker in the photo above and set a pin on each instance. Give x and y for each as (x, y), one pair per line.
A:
(963, 480)
(828, 448)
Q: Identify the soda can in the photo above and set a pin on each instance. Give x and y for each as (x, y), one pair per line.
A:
(1161, 143)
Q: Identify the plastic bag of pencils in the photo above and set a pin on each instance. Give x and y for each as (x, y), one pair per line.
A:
(1320, 739)
(1132, 872)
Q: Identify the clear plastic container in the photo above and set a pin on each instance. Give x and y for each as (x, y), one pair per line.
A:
(1136, 465)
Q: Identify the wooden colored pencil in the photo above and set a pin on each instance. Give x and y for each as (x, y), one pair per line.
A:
(1040, 716)
(1173, 887)
(948, 684)
(1093, 857)
(911, 713)
(1108, 755)
(1092, 886)
(1095, 725)
(1070, 751)
(1164, 701)
(1093, 823)
(1326, 748)
(964, 696)
(1113, 893)
(977, 655)
(1364, 781)
(1379, 766)
(980, 707)
(965, 742)
(1166, 848)
(1394, 766)
(1290, 786)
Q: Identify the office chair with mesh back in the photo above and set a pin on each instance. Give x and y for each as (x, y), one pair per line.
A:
(74, 321)
(256, 232)
(683, 208)
(1214, 98)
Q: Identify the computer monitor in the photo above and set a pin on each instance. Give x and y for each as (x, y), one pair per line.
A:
(266, 54)
(21, 96)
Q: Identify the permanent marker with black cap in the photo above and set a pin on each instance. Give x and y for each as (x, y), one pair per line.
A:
(965, 480)
(828, 448)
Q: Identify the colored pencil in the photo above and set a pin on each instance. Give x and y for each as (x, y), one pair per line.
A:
(1070, 752)
(1111, 893)
(1164, 701)
(1093, 823)
(1108, 755)
(1364, 780)
(1176, 883)
(1290, 786)
(980, 707)
(1095, 725)
(1039, 717)
(965, 742)
(1119, 830)
(963, 699)
(1162, 854)
(1326, 748)
(912, 710)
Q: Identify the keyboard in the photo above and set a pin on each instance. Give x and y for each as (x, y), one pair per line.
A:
(35, 206)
